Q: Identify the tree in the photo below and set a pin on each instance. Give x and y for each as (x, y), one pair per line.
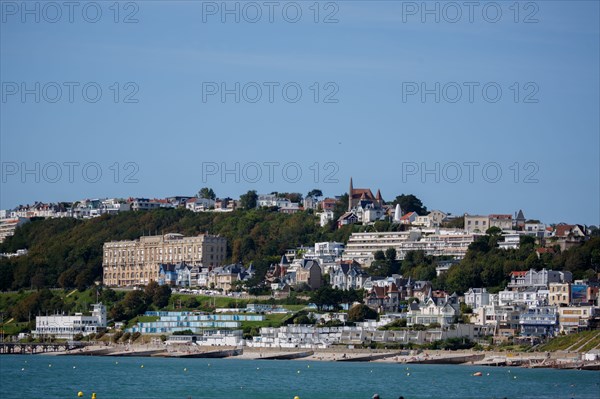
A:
(341, 206)
(206, 192)
(361, 313)
(293, 197)
(494, 231)
(161, 296)
(249, 200)
(149, 291)
(134, 304)
(315, 193)
(410, 203)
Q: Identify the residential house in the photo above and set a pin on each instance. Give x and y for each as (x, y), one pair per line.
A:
(309, 273)
(477, 297)
(503, 222)
(383, 299)
(476, 223)
(328, 204)
(510, 240)
(143, 204)
(196, 204)
(540, 322)
(500, 321)
(539, 279)
(573, 319)
(436, 218)
(421, 221)
(348, 276)
(223, 278)
(439, 308)
(560, 294)
(225, 205)
(528, 296)
(347, 218)
(310, 203)
(167, 275)
(568, 236)
(409, 218)
(325, 217)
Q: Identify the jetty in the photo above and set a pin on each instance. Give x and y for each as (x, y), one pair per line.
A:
(287, 355)
(205, 354)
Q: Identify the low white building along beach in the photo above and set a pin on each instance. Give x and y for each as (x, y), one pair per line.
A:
(67, 327)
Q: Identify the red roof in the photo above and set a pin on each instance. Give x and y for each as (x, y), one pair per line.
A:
(500, 216)
(563, 230)
(407, 216)
(543, 250)
(518, 274)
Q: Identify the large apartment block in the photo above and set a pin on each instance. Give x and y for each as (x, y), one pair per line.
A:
(129, 263)
(361, 247)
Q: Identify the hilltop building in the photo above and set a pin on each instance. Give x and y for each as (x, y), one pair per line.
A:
(136, 262)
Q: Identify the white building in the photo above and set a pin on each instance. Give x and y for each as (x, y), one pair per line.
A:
(530, 297)
(200, 204)
(9, 225)
(66, 327)
(362, 246)
(512, 240)
(325, 217)
(209, 338)
(269, 200)
(477, 297)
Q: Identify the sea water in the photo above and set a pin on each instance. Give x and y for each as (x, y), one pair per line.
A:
(39, 377)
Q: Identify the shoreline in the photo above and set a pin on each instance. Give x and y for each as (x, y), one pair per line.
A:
(557, 360)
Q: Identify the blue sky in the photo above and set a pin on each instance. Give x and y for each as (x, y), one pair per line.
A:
(377, 132)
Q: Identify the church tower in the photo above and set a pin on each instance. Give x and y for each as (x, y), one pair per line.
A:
(350, 192)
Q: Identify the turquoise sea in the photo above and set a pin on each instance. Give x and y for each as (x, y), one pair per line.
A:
(38, 377)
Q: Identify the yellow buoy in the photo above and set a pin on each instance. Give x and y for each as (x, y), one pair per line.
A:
(80, 394)
(93, 395)
(296, 397)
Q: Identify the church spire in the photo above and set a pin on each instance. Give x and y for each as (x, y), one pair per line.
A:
(350, 192)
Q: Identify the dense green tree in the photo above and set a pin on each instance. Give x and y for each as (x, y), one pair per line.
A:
(249, 200)
(361, 313)
(134, 304)
(494, 231)
(410, 203)
(161, 296)
(315, 193)
(206, 192)
(341, 207)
